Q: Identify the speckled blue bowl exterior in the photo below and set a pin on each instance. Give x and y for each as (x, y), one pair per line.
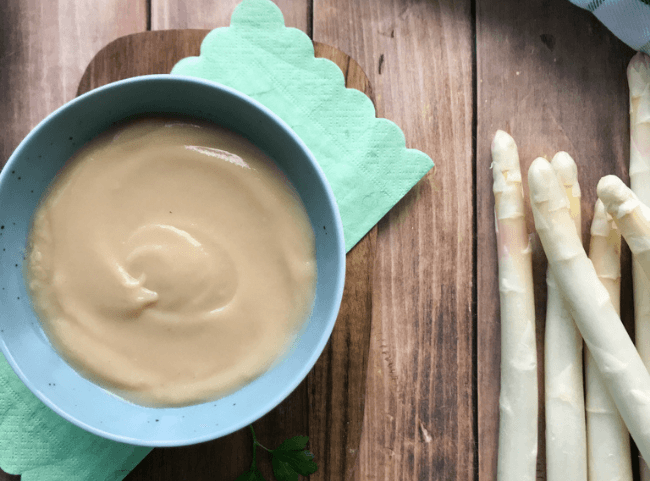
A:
(24, 180)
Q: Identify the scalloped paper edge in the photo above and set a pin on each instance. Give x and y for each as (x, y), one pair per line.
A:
(364, 158)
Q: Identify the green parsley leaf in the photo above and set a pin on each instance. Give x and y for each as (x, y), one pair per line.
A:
(296, 443)
(289, 460)
(283, 470)
(301, 462)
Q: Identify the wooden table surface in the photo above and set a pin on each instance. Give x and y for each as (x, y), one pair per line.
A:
(449, 73)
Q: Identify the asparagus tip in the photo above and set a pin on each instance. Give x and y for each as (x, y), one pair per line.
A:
(505, 157)
(541, 180)
(565, 168)
(638, 74)
(601, 223)
(616, 196)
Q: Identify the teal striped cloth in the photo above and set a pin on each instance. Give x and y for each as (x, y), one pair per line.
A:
(629, 20)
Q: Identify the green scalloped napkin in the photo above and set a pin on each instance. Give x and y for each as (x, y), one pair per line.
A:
(364, 159)
(42, 446)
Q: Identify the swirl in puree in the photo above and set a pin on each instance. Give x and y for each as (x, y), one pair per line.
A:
(171, 262)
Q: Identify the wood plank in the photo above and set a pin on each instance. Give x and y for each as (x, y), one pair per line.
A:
(554, 77)
(44, 48)
(177, 14)
(418, 55)
(329, 405)
(121, 58)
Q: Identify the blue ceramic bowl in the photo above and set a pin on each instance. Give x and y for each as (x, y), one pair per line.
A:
(26, 177)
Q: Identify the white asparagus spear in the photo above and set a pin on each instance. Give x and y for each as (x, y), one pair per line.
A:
(631, 216)
(517, 455)
(566, 431)
(638, 75)
(622, 370)
(608, 441)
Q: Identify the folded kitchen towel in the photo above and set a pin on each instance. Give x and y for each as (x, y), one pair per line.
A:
(629, 20)
(364, 159)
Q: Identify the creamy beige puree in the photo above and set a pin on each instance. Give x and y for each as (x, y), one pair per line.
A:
(171, 262)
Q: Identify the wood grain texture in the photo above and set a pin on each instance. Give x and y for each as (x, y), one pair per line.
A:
(44, 48)
(142, 53)
(329, 405)
(553, 77)
(418, 418)
(177, 14)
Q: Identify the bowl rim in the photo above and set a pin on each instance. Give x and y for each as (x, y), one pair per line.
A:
(268, 404)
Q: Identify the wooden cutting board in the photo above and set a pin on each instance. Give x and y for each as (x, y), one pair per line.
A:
(328, 406)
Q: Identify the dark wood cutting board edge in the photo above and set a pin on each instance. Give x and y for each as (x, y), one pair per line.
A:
(329, 404)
